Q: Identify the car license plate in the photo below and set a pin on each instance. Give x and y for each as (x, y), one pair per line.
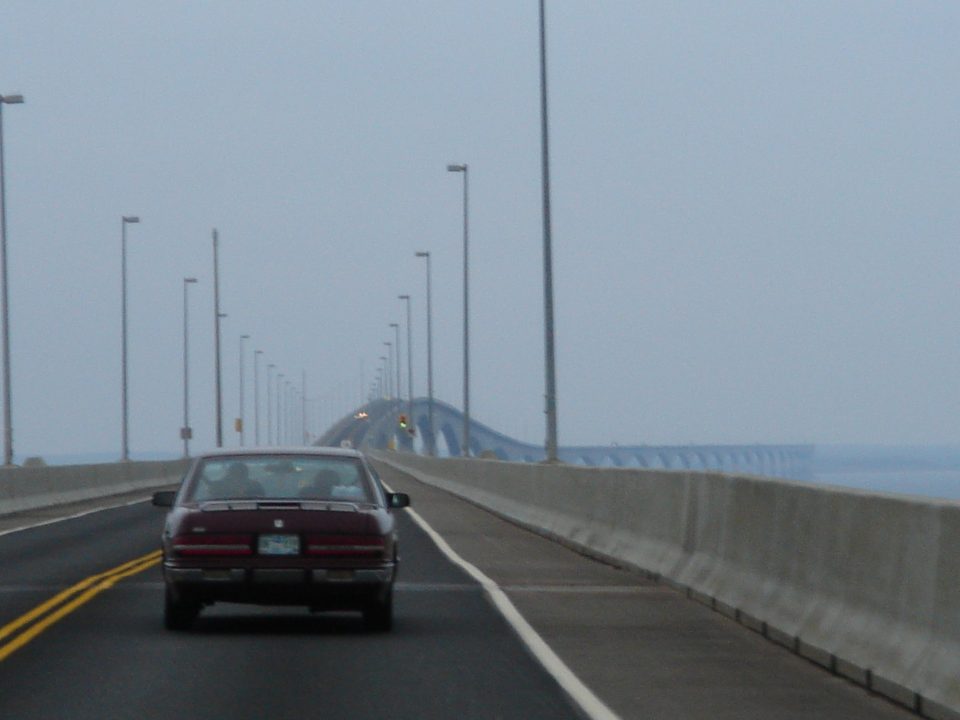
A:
(279, 545)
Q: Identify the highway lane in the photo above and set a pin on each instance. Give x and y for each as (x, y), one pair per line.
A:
(450, 655)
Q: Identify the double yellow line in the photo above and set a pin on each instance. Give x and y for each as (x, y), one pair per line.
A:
(31, 624)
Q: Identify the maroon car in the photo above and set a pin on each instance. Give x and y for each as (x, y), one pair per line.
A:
(308, 527)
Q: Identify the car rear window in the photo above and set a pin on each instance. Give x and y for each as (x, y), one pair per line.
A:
(280, 477)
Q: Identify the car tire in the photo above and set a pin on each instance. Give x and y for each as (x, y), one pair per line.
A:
(179, 614)
(378, 615)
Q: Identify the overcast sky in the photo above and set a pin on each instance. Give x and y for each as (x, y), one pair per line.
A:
(755, 211)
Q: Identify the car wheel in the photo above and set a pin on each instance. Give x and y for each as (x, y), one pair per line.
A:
(378, 615)
(179, 614)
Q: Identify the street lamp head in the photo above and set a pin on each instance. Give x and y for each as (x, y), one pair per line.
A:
(394, 325)
(244, 337)
(457, 168)
(271, 365)
(189, 280)
(423, 253)
(403, 297)
(131, 219)
(222, 315)
(12, 99)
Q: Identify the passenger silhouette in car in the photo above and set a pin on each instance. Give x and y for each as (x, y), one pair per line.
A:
(237, 483)
(321, 488)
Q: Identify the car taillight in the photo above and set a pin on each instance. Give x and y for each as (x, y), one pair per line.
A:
(346, 545)
(203, 544)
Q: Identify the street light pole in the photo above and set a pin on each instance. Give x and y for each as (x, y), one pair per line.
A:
(396, 329)
(124, 221)
(256, 397)
(241, 428)
(270, 369)
(280, 377)
(550, 369)
(303, 409)
(389, 370)
(5, 298)
(286, 412)
(185, 431)
(216, 317)
(431, 444)
(466, 309)
(409, 362)
(293, 430)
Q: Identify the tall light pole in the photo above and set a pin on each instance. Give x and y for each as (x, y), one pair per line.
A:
(396, 329)
(287, 385)
(240, 427)
(286, 412)
(382, 373)
(389, 370)
(216, 319)
(550, 369)
(431, 447)
(270, 369)
(4, 296)
(466, 309)
(280, 377)
(303, 409)
(293, 430)
(124, 221)
(292, 414)
(256, 397)
(186, 432)
(406, 298)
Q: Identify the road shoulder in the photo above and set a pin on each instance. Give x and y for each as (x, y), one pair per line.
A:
(14, 522)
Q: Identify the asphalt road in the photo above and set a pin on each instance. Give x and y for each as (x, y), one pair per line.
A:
(450, 655)
(644, 650)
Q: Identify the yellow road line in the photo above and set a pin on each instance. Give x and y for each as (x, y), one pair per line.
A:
(60, 597)
(100, 582)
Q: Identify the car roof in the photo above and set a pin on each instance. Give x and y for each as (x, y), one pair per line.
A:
(293, 450)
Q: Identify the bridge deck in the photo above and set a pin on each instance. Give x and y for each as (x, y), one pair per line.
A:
(643, 648)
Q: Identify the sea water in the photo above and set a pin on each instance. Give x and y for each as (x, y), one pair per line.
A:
(944, 484)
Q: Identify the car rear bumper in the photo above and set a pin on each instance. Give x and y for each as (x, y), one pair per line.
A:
(285, 576)
(316, 587)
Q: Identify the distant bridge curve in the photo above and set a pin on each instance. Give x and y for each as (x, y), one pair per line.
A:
(375, 426)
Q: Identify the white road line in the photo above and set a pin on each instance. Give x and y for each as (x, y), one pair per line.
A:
(571, 684)
(585, 589)
(71, 517)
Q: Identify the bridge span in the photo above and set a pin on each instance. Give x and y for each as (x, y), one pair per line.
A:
(375, 426)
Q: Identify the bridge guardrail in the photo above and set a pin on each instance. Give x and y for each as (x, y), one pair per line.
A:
(867, 585)
(26, 488)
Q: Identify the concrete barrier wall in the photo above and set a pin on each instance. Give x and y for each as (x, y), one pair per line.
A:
(33, 487)
(865, 584)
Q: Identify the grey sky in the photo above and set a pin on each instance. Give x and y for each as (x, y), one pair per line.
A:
(755, 211)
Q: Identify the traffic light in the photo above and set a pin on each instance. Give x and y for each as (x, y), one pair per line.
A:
(403, 421)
